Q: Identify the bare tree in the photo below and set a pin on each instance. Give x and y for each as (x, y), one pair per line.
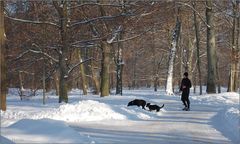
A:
(3, 73)
(119, 66)
(235, 51)
(197, 36)
(211, 48)
(175, 36)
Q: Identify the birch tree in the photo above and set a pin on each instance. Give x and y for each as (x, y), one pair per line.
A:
(119, 66)
(175, 36)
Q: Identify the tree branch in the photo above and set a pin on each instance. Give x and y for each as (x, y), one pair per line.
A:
(98, 18)
(95, 4)
(76, 65)
(133, 37)
(33, 22)
(195, 11)
(43, 53)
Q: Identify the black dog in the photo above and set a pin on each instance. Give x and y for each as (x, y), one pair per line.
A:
(154, 107)
(138, 102)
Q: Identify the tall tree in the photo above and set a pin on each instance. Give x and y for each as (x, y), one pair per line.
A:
(119, 66)
(105, 64)
(63, 20)
(82, 73)
(197, 36)
(234, 68)
(175, 37)
(211, 48)
(106, 52)
(3, 72)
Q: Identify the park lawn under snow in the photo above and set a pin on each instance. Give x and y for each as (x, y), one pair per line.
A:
(214, 118)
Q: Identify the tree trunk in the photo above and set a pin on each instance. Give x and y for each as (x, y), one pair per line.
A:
(134, 79)
(176, 33)
(211, 48)
(44, 82)
(82, 73)
(3, 72)
(198, 48)
(180, 59)
(119, 67)
(218, 79)
(95, 82)
(95, 77)
(63, 14)
(105, 57)
(233, 78)
(190, 56)
(194, 82)
(20, 84)
(62, 80)
(105, 69)
(56, 82)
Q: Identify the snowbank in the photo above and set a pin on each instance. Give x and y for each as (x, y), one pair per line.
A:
(88, 110)
(44, 131)
(227, 119)
(4, 140)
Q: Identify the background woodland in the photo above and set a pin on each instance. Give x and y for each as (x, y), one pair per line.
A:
(101, 45)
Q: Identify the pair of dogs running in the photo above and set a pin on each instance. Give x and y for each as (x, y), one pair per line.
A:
(140, 102)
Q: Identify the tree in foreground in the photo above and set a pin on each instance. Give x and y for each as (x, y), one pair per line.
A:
(3, 73)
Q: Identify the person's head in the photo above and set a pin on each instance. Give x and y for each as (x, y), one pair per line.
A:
(185, 74)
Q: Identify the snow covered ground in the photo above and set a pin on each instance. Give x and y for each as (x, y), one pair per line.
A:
(214, 118)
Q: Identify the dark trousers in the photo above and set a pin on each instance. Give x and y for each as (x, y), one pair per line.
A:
(185, 100)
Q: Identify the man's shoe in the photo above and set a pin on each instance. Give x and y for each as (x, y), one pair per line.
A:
(185, 108)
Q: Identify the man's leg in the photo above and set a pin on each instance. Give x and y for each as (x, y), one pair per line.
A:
(188, 103)
(184, 102)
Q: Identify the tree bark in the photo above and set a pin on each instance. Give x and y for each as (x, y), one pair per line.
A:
(95, 80)
(119, 66)
(44, 82)
(176, 33)
(105, 69)
(134, 79)
(211, 48)
(63, 15)
(234, 67)
(82, 73)
(3, 71)
(20, 84)
(56, 82)
(105, 58)
(197, 35)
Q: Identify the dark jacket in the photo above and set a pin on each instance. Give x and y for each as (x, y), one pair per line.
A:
(185, 86)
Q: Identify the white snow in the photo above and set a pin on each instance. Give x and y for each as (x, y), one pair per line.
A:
(214, 118)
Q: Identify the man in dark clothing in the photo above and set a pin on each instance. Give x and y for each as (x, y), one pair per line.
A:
(185, 88)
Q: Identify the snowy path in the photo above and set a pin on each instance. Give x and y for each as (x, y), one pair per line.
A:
(173, 126)
(213, 119)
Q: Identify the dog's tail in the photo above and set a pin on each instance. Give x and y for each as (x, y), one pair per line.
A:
(162, 106)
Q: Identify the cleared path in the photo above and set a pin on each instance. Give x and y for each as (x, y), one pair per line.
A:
(174, 126)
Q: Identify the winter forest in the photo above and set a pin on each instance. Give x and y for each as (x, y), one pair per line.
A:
(73, 66)
(101, 45)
